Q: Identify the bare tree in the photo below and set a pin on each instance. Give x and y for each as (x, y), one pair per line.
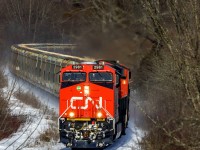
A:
(29, 14)
(174, 75)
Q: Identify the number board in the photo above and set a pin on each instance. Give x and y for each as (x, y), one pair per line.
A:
(98, 67)
(77, 67)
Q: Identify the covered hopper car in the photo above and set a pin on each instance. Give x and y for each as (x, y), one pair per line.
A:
(40, 65)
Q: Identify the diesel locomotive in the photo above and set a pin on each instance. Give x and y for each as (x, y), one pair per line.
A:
(94, 103)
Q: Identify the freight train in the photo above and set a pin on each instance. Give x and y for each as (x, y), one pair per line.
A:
(93, 95)
(94, 103)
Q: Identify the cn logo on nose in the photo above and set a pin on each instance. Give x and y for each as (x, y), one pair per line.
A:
(73, 99)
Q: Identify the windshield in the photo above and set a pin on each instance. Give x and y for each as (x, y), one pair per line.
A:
(74, 76)
(100, 76)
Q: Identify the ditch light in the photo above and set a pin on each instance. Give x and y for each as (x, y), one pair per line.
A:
(86, 90)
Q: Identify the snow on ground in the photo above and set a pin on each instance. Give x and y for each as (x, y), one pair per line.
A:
(133, 133)
(45, 97)
(37, 122)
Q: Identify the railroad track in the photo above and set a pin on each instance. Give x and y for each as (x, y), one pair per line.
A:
(40, 64)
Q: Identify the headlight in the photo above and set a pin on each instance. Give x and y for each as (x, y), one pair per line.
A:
(99, 114)
(86, 90)
(71, 114)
